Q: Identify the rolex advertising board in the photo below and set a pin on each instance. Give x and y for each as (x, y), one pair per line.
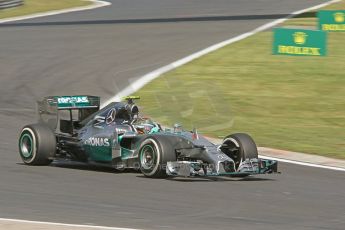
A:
(331, 20)
(299, 42)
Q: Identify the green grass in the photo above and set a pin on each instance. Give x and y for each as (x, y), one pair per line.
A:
(285, 102)
(37, 6)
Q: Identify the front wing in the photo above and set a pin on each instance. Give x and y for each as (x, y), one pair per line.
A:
(196, 169)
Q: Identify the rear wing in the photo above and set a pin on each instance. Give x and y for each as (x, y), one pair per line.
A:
(48, 108)
(73, 102)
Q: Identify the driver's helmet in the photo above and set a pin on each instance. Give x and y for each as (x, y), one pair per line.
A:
(146, 126)
(143, 125)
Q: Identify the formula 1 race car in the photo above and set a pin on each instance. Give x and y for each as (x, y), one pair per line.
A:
(75, 128)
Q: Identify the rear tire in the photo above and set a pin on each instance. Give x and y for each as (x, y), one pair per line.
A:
(37, 144)
(240, 147)
(154, 153)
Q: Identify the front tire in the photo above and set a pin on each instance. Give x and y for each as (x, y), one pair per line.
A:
(239, 147)
(37, 144)
(154, 153)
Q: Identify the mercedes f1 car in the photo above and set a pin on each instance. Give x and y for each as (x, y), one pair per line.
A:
(75, 128)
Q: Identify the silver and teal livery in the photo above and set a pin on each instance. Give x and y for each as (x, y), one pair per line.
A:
(75, 128)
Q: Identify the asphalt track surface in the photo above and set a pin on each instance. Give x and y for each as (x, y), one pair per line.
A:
(99, 52)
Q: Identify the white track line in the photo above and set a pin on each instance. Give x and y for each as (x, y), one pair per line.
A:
(65, 225)
(96, 4)
(302, 163)
(147, 78)
(143, 80)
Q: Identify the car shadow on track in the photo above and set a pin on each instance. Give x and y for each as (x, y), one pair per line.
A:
(209, 179)
(79, 166)
(89, 167)
(104, 169)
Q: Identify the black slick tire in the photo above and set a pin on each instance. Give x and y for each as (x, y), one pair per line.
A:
(154, 153)
(37, 144)
(244, 146)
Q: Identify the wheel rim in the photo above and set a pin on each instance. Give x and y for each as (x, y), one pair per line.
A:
(26, 145)
(148, 157)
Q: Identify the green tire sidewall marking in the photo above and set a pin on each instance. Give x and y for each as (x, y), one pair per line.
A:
(142, 151)
(26, 154)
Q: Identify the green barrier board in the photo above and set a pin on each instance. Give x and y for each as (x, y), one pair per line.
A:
(331, 20)
(299, 42)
